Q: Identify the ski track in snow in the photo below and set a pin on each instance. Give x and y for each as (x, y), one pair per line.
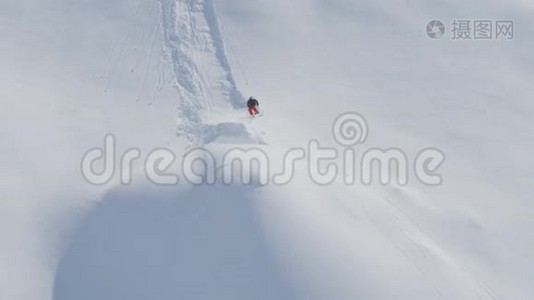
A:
(420, 250)
(204, 79)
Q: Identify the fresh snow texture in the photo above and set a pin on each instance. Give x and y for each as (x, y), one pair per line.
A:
(177, 73)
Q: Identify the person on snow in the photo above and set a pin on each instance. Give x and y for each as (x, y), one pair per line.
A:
(252, 105)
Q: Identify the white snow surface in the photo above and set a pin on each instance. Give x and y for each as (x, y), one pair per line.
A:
(176, 74)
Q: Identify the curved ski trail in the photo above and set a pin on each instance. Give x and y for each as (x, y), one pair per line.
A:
(209, 97)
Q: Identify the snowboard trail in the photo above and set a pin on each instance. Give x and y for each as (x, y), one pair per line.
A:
(195, 46)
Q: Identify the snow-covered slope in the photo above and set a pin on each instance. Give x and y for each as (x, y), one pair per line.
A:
(152, 73)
